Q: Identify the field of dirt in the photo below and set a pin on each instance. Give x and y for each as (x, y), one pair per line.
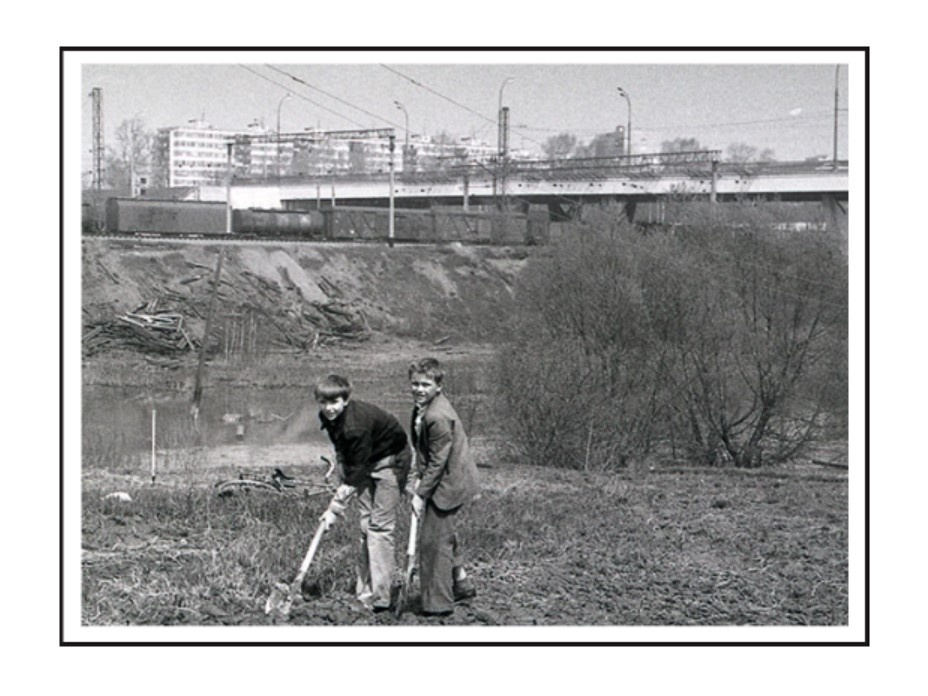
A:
(546, 546)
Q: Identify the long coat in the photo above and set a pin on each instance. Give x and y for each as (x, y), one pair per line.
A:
(447, 472)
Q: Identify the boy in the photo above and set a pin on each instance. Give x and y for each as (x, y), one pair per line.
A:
(373, 458)
(447, 479)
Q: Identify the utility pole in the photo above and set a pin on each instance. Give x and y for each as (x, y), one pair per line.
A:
(502, 137)
(834, 162)
(392, 149)
(229, 188)
(279, 104)
(217, 277)
(503, 153)
(132, 159)
(97, 96)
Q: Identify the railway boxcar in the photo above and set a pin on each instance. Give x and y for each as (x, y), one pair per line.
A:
(168, 217)
(279, 223)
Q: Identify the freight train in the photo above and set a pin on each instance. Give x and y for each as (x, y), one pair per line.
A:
(202, 219)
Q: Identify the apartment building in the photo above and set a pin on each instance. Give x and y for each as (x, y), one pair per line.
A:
(198, 154)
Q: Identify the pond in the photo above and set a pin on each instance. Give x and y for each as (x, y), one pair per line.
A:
(120, 418)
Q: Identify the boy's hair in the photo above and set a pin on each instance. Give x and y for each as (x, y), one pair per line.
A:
(331, 388)
(429, 367)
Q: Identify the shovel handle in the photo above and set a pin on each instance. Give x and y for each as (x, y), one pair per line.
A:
(413, 533)
(308, 558)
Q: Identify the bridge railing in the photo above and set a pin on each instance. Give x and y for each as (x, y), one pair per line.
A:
(653, 165)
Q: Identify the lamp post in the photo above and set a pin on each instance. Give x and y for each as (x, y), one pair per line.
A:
(628, 128)
(406, 142)
(280, 104)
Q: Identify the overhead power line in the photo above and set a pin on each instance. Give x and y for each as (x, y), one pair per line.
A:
(520, 130)
(301, 96)
(439, 94)
(301, 81)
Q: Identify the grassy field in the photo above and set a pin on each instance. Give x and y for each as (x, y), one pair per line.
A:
(649, 545)
(547, 547)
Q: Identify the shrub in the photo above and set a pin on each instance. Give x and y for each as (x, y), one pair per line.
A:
(716, 338)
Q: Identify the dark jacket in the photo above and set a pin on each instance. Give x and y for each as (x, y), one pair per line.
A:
(363, 435)
(447, 472)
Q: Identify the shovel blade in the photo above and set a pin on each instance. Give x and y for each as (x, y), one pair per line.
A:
(280, 600)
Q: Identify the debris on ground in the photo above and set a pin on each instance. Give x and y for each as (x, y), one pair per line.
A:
(144, 328)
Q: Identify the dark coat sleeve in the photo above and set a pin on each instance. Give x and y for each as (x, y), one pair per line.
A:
(440, 438)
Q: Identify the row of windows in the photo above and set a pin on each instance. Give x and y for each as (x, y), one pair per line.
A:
(203, 135)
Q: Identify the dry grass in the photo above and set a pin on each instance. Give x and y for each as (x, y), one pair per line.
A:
(546, 547)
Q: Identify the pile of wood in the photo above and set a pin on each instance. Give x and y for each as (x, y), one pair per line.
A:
(294, 323)
(145, 329)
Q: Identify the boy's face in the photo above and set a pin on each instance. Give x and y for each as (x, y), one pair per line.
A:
(332, 408)
(424, 388)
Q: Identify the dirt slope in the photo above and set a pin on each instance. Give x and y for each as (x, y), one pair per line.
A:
(293, 296)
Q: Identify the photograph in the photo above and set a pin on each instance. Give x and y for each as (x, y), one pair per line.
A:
(465, 346)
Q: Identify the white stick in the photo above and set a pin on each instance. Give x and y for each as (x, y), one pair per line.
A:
(154, 415)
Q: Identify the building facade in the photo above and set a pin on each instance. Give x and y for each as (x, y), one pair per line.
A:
(199, 155)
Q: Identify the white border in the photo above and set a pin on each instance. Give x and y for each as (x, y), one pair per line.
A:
(74, 632)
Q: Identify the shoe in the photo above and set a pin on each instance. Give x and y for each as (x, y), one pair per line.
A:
(448, 612)
(463, 590)
(377, 609)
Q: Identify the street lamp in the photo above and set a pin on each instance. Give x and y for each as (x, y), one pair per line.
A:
(280, 104)
(406, 114)
(628, 129)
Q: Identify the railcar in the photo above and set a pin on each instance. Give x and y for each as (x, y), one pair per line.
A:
(144, 216)
(255, 222)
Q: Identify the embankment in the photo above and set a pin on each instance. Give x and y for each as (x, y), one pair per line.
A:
(296, 297)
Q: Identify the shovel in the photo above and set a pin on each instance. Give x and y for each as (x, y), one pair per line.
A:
(401, 600)
(281, 597)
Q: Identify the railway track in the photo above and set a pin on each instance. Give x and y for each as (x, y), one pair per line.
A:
(243, 240)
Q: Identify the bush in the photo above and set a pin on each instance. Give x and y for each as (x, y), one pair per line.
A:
(717, 340)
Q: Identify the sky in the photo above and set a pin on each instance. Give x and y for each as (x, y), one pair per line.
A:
(786, 106)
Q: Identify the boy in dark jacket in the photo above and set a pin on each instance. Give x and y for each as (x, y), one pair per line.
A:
(373, 458)
(447, 479)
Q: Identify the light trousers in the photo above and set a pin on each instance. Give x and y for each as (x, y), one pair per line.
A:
(378, 501)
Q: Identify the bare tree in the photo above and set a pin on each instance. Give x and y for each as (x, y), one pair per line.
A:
(560, 145)
(602, 145)
(717, 338)
(742, 152)
(131, 155)
(681, 145)
(758, 313)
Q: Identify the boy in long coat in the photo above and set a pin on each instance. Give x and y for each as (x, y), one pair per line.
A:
(447, 479)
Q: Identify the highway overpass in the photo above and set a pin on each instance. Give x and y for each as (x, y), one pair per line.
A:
(559, 184)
